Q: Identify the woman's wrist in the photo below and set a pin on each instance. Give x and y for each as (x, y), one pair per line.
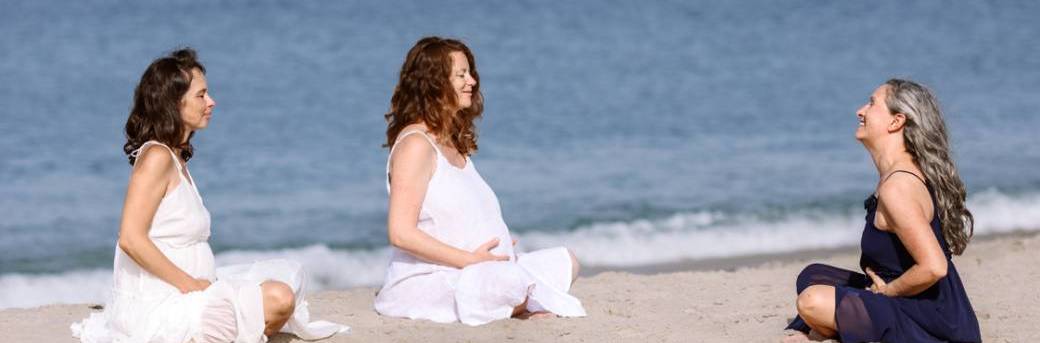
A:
(184, 287)
(471, 258)
(889, 290)
(186, 284)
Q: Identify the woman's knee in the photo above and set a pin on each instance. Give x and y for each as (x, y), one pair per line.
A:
(278, 297)
(814, 299)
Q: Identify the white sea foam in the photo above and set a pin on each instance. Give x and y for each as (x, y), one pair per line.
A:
(694, 235)
(325, 269)
(80, 286)
(701, 235)
(698, 235)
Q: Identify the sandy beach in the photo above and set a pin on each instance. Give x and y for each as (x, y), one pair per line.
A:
(729, 300)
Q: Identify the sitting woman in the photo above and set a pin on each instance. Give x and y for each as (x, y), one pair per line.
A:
(452, 258)
(915, 221)
(165, 285)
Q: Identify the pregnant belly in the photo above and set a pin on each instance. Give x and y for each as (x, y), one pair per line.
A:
(195, 259)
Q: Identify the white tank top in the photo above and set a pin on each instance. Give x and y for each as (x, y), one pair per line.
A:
(459, 209)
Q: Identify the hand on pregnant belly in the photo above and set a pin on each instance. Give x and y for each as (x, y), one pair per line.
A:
(195, 285)
(483, 252)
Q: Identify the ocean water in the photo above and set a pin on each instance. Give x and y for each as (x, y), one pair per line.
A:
(634, 133)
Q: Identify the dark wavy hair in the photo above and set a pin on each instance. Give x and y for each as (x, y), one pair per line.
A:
(156, 113)
(927, 141)
(424, 95)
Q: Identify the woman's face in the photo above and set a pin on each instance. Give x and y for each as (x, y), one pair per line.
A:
(874, 117)
(461, 80)
(196, 104)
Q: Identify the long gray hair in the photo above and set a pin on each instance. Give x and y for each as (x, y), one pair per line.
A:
(926, 140)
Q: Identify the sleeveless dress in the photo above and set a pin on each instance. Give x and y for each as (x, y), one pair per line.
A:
(461, 210)
(145, 308)
(941, 313)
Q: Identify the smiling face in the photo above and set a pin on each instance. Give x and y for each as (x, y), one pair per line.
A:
(875, 119)
(196, 104)
(461, 79)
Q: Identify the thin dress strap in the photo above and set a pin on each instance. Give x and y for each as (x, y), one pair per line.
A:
(904, 171)
(401, 137)
(176, 162)
(931, 194)
(407, 133)
(137, 152)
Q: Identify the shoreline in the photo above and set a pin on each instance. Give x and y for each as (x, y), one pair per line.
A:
(734, 263)
(748, 299)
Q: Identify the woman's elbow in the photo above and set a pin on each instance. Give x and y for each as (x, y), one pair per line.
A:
(125, 244)
(396, 242)
(128, 244)
(937, 271)
(396, 238)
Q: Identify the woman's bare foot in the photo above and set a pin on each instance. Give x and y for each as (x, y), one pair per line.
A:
(521, 312)
(534, 315)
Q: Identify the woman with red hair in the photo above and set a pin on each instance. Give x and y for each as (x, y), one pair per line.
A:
(453, 257)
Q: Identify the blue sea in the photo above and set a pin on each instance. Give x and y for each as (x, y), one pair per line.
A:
(635, 133)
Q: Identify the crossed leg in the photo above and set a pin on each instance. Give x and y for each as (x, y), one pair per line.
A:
(521, 312)
(279, 304)
(816, 300)
(816, 306)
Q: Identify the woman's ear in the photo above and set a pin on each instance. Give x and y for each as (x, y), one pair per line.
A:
(898, 122)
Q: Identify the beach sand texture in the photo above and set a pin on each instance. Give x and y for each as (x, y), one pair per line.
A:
(742, 304)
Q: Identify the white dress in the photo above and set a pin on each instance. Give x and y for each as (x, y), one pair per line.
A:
(145, 308)
(462, 211)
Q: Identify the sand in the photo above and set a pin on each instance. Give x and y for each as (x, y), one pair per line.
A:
(727, 300)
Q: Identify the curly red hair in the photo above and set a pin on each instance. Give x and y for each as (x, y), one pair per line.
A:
(424, 95)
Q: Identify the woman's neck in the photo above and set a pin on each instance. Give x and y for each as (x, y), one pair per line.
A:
(888, 161)
(184, 140)
(890, 156)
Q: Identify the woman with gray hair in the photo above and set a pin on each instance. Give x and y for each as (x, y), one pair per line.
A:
(916, 220)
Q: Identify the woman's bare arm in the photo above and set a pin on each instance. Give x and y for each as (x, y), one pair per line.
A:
(148, 184)
(411, 168)
(904, 202)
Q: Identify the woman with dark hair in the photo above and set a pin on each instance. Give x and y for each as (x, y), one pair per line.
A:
(452, 257)
(910, 290)
(165, 285)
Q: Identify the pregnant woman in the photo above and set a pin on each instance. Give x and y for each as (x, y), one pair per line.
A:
(165, 285)
(453, 257)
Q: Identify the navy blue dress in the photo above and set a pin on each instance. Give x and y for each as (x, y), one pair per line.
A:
(942, 313)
